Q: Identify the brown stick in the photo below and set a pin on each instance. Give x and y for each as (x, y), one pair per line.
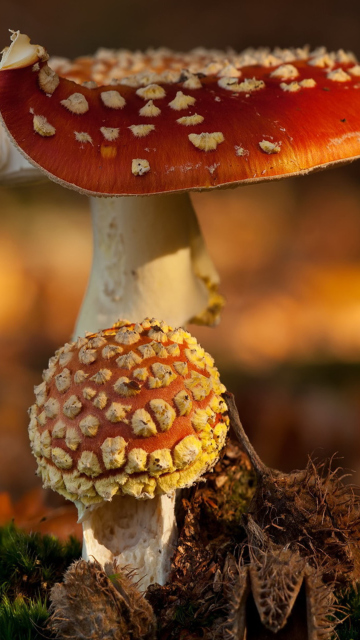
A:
(260, 468)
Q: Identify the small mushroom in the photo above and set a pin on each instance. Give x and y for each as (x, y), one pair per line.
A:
(163, 123)
(139, 418)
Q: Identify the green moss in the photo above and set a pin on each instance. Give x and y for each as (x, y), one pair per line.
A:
(30, 564)
(350, 628)
(23, 620)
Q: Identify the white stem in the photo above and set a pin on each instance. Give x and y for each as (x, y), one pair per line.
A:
(149, 260)
(14, 169)
(139, 534)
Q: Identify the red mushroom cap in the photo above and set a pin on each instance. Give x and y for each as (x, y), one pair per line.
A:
(254, 117)
(135, 409)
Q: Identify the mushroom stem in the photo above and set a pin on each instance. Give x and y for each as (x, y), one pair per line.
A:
(139, 534)
(149, 260)
(14, 169)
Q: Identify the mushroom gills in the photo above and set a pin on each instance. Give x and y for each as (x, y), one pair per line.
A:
(139, 534)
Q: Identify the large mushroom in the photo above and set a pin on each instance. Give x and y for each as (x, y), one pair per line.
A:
(122, 419)
(138, 126)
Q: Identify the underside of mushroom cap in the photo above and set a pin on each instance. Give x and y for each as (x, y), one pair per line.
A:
(133, 410)
(251, 118)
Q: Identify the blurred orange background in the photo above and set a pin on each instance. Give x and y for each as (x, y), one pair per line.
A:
(288, 252)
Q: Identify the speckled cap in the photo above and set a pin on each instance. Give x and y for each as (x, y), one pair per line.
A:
(135, 409)
(162, 122)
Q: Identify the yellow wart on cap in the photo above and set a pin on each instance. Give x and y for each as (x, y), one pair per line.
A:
(173, 350)
(355, 71)
(164, 413)
(192, 82)
(72, 407)
(338, 75)
(51, 407)
(72, 438)
(89, 464)
(186, 451)
(89, 393)
(140, 486)
(292, 87)
(40, 393)
(188, 121)
(106, 488)
(181, 367)
(139, 166)
(127, 336)
(110, 351)
(80, 376)
(60, 458)
(89, 426)
(100, 400)
(307, 83)
(113, 452)
(160, 350)
(151, 92)
(82, 136)
(63, 380)
(136, 461)
(141, 130)
(206, 141)
(199, 385)
(45, 442)
(127, 388)
(117, 412)
(160, 461)
(102, 376)
(240, 151)
(110, 133)
(129, 360)
(183, 402)
(149, 110)
(87, 356)
(247, 86)
(112, 99)
(181, 101)
(230, 71)
(48, 79)
(59, 429)
(270, 147)
(76, 103)
(140, 374)
(143, 424)
(163, 375)
(43, 127)
(285, 72)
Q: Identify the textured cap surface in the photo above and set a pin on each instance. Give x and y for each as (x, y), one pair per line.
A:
(135, 409)
(235, 119)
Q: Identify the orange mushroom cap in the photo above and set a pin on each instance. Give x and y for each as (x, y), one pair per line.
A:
(244, 118)
(135, 409)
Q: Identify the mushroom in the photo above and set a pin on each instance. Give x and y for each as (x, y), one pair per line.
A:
(139, 126)
(122, 419)
(149, 255)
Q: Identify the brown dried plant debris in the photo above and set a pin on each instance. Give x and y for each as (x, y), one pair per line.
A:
(313, 511)
(302, 544)
(276, 589)
(92, 604)
(194, 603)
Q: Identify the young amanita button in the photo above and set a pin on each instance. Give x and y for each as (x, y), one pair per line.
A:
(133, 412)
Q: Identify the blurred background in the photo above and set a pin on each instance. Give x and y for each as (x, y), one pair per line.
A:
(288, 253)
